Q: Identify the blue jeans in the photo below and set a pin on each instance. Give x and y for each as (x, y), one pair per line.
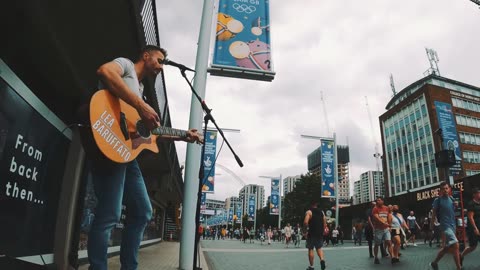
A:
(111, 182)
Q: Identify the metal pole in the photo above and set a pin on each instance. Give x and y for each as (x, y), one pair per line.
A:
(280, 203)
(335, 157)
(192, 164)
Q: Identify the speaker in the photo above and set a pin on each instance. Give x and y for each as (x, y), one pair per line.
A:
(445, 159)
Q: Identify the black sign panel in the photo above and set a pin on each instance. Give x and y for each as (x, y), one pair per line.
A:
(32, 163)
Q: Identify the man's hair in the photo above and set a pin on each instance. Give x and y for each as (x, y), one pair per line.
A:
(151, 48)
(379, 197)
(443, 183)
(313, 202)
(475, 190)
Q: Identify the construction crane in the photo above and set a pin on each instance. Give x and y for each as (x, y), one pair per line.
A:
(392, 85)
(325, 113)
(376, 155)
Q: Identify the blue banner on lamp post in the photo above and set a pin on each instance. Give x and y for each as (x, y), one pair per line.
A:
(242, 40)
(274, 196)
(209, 161)
(251, 208)
(239, 212)
(446, 122)
(328, 168)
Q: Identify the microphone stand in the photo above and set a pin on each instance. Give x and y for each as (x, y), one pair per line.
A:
(201, 174)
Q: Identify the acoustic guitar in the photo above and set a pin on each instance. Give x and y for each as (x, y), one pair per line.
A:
(118, 129)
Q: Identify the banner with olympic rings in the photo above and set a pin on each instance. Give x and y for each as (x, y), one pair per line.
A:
(242, 42)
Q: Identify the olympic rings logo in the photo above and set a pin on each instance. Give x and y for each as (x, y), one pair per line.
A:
(244, 8)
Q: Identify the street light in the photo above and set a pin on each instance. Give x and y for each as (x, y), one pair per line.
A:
(280, 195)
(337, 209)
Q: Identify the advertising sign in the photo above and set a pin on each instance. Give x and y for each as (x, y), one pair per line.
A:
(242, 42)
(446, 122)
(251, 208)
(209, 161)
(328, 169)
(275, 196)
(32, 161)
(239, 212)
(230, 215)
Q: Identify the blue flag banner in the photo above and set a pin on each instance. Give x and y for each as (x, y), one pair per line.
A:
(275, 196)
(239, 212)
(242, 43)
(251, 208)
(230, 215)
(446, 122)
(328, 168)
(209, 161)
(203, 203)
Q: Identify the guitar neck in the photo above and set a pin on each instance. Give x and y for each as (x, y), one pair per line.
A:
(169, 131)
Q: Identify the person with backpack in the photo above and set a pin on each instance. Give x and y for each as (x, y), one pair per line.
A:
(398, 223)
(444, 211)
(316, 223)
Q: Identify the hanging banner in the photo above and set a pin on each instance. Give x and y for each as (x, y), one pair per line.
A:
(328, 168)
(203, 203)
(230, 215)
(251, 208)
(242, 43)
(209, 161)
(275, 196)
(239, 212)
(446, 122)
(33, 152)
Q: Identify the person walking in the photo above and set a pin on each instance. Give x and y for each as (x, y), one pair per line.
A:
(398, 224)
(412, 226)
(298, 235)
(340, 234)
(473, 214)
(369, 238)
(427, 232)
(315, 223)
(288, 234)
(444, 210)
(335, 234)
(358, 232)
(382, 220)
(269, 235)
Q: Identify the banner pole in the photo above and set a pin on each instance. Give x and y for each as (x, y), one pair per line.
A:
(192, 164)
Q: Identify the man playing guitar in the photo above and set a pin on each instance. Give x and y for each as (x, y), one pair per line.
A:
(112, 180)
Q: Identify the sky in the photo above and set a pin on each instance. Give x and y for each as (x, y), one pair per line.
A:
(343, 50)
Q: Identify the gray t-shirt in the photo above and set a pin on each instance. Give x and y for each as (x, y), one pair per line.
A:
(445, 212)
(129, 76)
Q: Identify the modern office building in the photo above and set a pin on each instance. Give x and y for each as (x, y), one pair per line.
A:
(214, 204)
(252, 189)
(289, 184)
(343, 159)
(431, 110)
(368, 187)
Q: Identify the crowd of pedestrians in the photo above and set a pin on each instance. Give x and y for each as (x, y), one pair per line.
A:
(385, 230)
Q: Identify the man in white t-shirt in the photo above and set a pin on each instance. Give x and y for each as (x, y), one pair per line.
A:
(412, 226)
(335, 236)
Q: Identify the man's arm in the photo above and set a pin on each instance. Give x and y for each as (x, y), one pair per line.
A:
(434, 218)
(306, 220)
(111, 75)
(471, 221)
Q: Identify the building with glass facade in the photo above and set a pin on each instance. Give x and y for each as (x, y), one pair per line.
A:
(246, 191)
(289, 183)
(368, 187)
(411, 135)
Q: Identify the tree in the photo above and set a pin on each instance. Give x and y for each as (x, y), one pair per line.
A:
(297, 202)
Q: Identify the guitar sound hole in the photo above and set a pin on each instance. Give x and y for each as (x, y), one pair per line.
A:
(142, 130)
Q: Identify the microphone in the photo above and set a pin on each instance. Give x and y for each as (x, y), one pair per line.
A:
(180, 66)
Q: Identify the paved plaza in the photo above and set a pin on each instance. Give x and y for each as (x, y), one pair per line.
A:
(233, 254)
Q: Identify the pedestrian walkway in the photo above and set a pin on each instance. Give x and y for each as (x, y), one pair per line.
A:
(223, 254)
(161, 256)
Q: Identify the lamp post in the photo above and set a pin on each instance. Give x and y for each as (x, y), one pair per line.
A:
(335, 162)
(279, 194)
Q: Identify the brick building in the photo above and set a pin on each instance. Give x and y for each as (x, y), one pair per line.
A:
(411, 133)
